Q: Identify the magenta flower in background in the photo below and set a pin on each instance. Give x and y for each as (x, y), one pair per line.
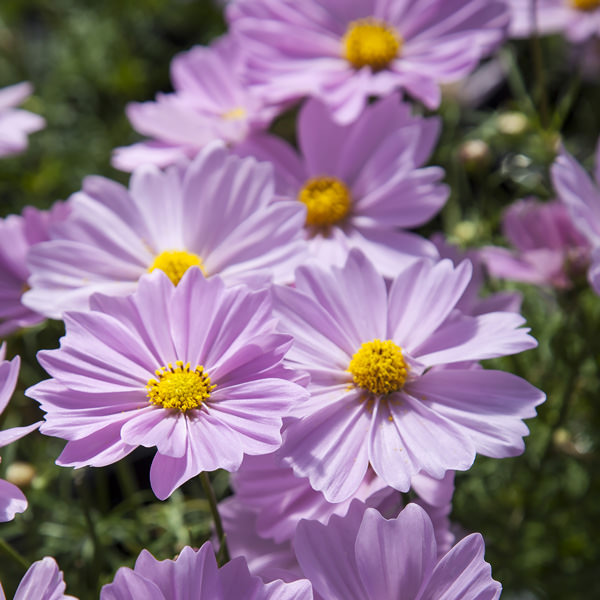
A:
(363, 556)
(471, 302)
(193, 369)
(549, 250)
(12, 499)
(43, 581)
(218, 214)
(345, 52)
(16, 124)
(579, 20)
(581, 195)
(194, 574)
(361, 183)
(377, 395)
(17, 235)
(210, 102)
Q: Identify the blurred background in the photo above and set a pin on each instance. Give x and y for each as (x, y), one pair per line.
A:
(539, 513)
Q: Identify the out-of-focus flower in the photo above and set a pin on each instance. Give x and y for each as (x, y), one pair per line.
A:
(581, 195)
(360, 183)
(344, 53)
(579, 20)
(210, 102)
(194, 574)
(549, 250)
(43, 581)
(16, 124)
(193, 369)
(17, 235)
(218, 214)
(377, 395)
(12, 500)
(363, 556)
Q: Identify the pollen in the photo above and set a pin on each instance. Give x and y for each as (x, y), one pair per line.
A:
(379, 367)
(179, 387)
(585, 4)
(174, 263)
(371, 43)
(327, 201)
(235, 114)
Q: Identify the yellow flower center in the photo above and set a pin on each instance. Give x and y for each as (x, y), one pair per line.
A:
(235, 114)
(175, 263)
(371, 43)
(585, 4)
(179, 387)
(379, 367)
(327, 201)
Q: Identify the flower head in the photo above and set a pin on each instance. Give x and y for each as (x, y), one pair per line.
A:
(363, 556)
(210, 102)
(43, 581)
(345, 53)
(12, 500)
(16, 124)
(217, 213)
(193, 369)
(194, 574)
(362, 184)
(379, 396)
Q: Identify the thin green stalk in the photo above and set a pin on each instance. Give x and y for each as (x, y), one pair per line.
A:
(10, 551)
(223, 553)
(538, 66)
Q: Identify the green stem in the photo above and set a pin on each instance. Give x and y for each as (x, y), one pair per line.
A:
(223, 553)
(538, 65)
(10, 551)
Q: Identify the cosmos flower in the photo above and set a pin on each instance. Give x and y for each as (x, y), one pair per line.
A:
(217, 213)
(43, 581)
(378, 394)
(194, 574)
(16, 124)
(344, 53)
(363, 183)
(579, 20)
(193, 369)
(548, 249)
(12, 500)
(210, 102)
(581, 195)
(17, 235)
(363, 556)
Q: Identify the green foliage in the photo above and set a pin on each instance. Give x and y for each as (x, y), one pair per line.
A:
(539, 512)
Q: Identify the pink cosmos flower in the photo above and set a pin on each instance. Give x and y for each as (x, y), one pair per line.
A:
(345, 52)
(361, 182)
(43, 581)
(363, 556)
(16, 124)
(17, 235)
(194, 369)
(471, 302)
(549, 250)
(378, 396)
(581, 195)
(194, 574)
(210, 102)
(218, 213)
(578, 19)
(12, 500)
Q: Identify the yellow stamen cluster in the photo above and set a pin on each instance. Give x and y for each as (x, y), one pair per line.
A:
(179, 387)
(585, 4)
(379, 367)
(371, 43)
(175, 263)
(327, 201)
(235, 114)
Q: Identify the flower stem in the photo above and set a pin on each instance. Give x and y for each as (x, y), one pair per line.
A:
(223, 553)
(538, 65)
(10, 551)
